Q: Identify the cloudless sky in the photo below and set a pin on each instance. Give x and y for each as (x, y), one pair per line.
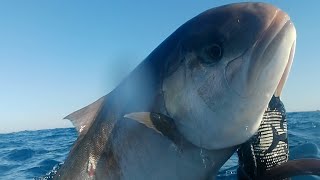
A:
(58, 56)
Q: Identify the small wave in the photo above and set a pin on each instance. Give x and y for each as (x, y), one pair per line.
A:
(6, 168)
(39, 170)
(42, 151)
(53, 136)
(20, 155)
(36, 171)
(50, 174)
(7, 144)
(49, 163)
(307, 150)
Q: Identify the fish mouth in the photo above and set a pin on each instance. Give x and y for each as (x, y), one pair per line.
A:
(285, 74)
(278, 46)
(267, 63)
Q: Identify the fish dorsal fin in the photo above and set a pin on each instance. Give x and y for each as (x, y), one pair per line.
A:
(83, 118)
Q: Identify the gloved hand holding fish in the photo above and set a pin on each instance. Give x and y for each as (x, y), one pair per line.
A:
(184, 110)
(265, 155)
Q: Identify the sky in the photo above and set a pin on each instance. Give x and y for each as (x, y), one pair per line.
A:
(59, 56)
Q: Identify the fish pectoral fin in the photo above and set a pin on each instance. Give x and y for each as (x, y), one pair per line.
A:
(161, 124)
(143, 118)
(83, 118)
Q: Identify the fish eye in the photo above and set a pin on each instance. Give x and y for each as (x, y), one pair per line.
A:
(214, 53)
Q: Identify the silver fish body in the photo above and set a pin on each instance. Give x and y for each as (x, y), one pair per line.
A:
(209, 77)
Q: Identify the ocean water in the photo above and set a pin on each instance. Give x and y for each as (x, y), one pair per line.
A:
(33, 154)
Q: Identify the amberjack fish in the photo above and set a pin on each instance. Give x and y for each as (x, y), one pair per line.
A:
(213, 78)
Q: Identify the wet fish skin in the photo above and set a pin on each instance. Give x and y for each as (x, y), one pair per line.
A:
(205, 77)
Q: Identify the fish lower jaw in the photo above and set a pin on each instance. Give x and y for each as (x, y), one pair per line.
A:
(222, 133)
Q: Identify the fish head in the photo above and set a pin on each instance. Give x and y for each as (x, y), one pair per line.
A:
(232, 60)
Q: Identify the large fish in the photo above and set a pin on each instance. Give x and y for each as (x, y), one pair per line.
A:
(213, 77)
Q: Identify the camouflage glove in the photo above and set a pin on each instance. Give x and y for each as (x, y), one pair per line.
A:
(268, 147)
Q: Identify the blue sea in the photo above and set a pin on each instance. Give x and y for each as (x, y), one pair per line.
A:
(33, 154)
